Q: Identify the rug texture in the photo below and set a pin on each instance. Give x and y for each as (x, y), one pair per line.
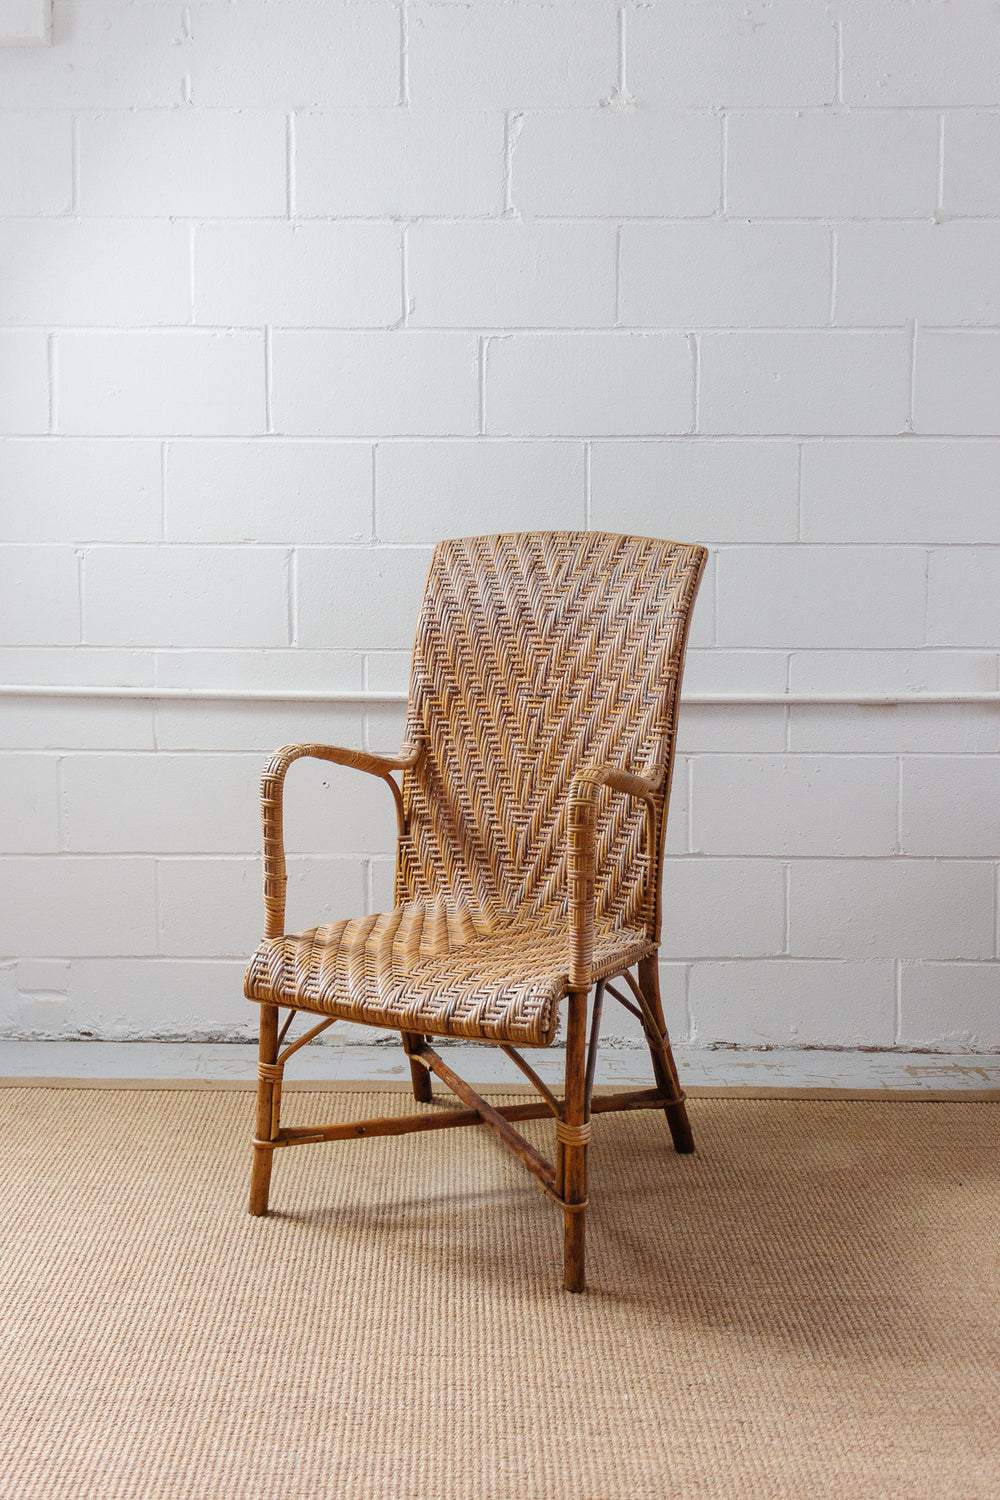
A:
(808, 1307)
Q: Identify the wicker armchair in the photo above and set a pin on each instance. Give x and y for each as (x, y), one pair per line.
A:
(531, 807)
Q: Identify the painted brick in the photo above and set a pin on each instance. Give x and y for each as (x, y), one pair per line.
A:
(722, 272)
(176, 163)
(553, 384)
(677, 838)
(36, 1002)
(950, 807)
(696, 490)
(721, 671)
(29, 808)
(255, 726)
(618, 1026)
(185, 596)
(336, 811)
(385, 728)
(723, 52)
(891, 672)
(354, 384)
(612, 162)
(722, 727)
(338, 587)
(511, 57)
(512, 274)
(398, 162)
(162, 804)
(171, 382)
(268, 492)
(69, 724)
(971, 175)
(423, 491)
(36, 163)
(288, 669)
(936, 273)
(168, 1000)
(794, 1003)
(56, 489)
(950, 1007)
(80, 665)
(213, 908)
(831, 382)
(39, 596)
(899, 53)
(792, 596)
(900, 728)
(890, 909)
(56, 271)
(957, 386)
(247, 57)
(794, 804)
(385, 724)
(298, 275)
(24, 382)
(962, 597)
(901, 491)
(294, 118)
(104, 56)
(715, 908)
(55, 907)
(813, 165)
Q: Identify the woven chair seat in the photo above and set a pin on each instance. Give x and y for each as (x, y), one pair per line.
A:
(443, 970)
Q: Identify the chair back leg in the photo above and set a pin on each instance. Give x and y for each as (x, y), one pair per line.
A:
(664, 1067)
(420, 1076)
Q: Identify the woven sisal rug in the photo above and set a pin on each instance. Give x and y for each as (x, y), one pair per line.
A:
(808, 1307)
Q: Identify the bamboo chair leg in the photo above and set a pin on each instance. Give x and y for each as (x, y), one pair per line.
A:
(422, 1090)
(571, 1133)
(664, 1067)
(268, 1105)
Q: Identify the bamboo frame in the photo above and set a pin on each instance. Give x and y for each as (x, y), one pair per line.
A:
(586, 830)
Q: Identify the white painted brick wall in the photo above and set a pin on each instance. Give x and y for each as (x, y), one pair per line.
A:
(588, 383)
(36, 163)
(288, 292)
(821, 165)
(354, 384)
(223, 491)
(174, 163)
(182, 381)
(815, 382)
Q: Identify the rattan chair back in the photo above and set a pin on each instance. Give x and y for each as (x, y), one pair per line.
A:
(537, 654)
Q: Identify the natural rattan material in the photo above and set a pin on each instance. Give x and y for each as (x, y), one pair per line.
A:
(535, 778)
(503, 985)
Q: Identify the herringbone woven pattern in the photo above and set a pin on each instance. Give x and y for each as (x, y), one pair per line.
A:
(537, 656)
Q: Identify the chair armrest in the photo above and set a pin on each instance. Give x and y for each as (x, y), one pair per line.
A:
(272, 786)
(581, 852)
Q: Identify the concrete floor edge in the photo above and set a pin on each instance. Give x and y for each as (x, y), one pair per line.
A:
(920, 1072)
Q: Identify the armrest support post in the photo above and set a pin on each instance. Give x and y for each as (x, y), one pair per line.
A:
(581, 862)
(272, 785)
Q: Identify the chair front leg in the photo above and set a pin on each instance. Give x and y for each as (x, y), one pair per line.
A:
(572, 1135)
(268, 1108)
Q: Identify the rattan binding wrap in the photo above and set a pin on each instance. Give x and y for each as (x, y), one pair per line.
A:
(539, 742)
